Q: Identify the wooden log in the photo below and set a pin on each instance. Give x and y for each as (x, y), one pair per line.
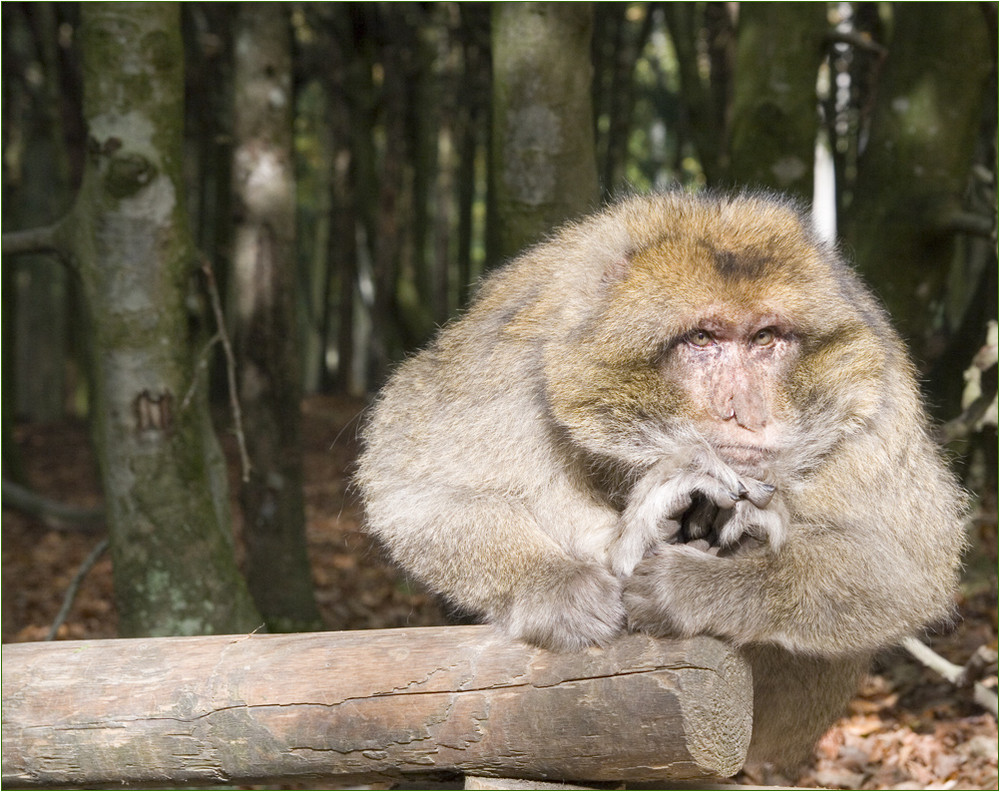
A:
(377, 703)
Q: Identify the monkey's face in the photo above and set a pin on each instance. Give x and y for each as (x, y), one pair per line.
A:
(747, 338)
(731, 373)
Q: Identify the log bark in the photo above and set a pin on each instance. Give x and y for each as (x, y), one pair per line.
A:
(369, 704)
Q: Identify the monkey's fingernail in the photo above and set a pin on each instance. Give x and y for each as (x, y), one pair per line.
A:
(761, 494)
(743, 491)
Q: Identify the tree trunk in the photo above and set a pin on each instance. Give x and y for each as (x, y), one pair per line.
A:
(912, 175)
(473, 113)
(775, 112)
(162, 471)
(394, 194)
(37, 192)
(544, 162)
(618, 42)
(706, 97)
(266, 336)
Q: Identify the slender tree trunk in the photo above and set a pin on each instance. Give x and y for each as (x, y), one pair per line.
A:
(706, 97)
(544, 160)
(343, 258)
(473, 113)
(618, 42)
(38, 191)
(392, 217)
(162, 471)
(267, 353)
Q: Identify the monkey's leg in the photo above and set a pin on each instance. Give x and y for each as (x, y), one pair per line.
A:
(823, 593)
(796, 698)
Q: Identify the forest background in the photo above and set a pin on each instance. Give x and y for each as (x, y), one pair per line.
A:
(223, 223)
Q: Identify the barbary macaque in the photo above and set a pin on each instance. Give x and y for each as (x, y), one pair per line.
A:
(683, 415)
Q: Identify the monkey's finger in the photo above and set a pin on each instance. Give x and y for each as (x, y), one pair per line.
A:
(670, 531)
(758, 493)
(722, 493)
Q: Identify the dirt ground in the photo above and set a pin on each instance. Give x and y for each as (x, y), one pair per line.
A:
(906, 729)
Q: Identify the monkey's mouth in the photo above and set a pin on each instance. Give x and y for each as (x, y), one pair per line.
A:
(752, 455)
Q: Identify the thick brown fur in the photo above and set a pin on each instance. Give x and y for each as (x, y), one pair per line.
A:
(683, 415)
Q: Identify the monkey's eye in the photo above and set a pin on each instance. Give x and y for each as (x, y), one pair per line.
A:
(763, 337)
(700, 338)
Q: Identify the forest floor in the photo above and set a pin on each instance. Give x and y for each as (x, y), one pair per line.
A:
(906, 729)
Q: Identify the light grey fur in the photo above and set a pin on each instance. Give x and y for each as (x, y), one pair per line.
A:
(533, 465)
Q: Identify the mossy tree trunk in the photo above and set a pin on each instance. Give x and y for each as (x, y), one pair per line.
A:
(779, 48)
(913, 173)
(544, 160)
(162, 472)
(266, 331)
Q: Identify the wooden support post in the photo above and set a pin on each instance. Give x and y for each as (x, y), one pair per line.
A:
(369, 704)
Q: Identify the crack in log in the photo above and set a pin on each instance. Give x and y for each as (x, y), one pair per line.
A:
(396, 691)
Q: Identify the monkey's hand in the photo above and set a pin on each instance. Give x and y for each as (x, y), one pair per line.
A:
(569, 609)
(705, 502)
(676, 592)
(751, 524)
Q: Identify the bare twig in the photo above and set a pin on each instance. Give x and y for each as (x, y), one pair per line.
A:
(969, 421)
(982, 695)
(74, 587)
(979, 407)
(200, 363)
(234, 402)
(983, 661)
(972, 224)
(54, 514)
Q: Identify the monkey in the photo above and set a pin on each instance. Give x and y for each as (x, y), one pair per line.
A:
(683, 414)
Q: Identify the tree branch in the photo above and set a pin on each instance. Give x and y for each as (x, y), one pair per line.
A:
(369, 706)
(53, 513)
(861, 41)
(74, 586)
(982, 695)
(45, 239)
(972, 224)
(234, 402)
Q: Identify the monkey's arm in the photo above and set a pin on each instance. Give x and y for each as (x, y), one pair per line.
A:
(824, 592)
(487, 553)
